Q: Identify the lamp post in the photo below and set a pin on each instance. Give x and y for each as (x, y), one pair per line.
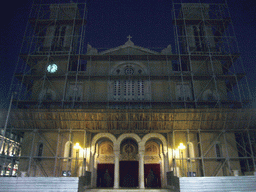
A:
(181, 148)
(77, 148)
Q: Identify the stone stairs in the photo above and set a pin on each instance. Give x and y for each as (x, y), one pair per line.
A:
(39, 184)
(128, 190)
(217, 184)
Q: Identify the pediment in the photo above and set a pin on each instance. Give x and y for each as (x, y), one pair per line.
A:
(128, 48)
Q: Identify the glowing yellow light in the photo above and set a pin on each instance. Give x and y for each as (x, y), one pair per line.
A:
(181, 146)
(77, 146)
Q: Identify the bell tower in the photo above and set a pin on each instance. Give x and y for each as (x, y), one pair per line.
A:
(197, 35)
(55, 34)
(61, 32)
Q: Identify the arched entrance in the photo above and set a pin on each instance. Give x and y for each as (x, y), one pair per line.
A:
(129, 165)
(156, 162)
(152, 170)
(129, 161)
(105, 165)
(102, 162)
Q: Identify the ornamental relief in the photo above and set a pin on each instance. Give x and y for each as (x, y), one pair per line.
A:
(152, 148)
(106, 159)
(129, 152)
(130, 157)
(152, 159)
(106, 148)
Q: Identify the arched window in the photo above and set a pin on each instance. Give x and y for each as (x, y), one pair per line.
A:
(199, 35)
(218, 151)
(68, 150)
(58, 39)
(40, 148)
(47, 94)
(209, 95)
(190, 151)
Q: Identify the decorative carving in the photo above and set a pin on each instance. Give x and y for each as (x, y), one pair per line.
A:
(128, 70)
(91, 50)
(106, 158)
(152, 148)
(129, 148)
(129, 152)
(131, 157)
(106, 149)
(167, 51)
(152, 158)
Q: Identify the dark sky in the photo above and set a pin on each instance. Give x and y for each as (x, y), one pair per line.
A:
(149, 22)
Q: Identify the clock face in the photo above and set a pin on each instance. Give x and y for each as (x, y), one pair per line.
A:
(52, 68)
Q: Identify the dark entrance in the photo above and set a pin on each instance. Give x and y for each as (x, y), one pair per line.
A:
(152, 175)
(129, 173)
(105, 175)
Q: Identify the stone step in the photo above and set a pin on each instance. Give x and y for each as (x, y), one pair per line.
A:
(216, 184)
(39, 184)
(127, 190)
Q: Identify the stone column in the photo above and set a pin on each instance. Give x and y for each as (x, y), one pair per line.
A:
(141, 170)
(166, 168)
(94, 172)
(116, 176)
(162, 171)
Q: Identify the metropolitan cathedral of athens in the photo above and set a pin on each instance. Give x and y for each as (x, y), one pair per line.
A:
(128, 116)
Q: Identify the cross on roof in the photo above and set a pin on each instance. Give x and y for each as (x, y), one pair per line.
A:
(129, 37)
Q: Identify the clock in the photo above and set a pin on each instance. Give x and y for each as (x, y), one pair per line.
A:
(52, 68)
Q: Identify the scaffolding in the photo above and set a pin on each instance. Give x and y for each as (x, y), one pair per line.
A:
(205, 68)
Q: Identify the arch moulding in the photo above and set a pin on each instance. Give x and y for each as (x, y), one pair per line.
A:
(129, 135)
(157, 136)
(102, 135)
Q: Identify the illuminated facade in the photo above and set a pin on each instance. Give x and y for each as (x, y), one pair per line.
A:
(130, 107)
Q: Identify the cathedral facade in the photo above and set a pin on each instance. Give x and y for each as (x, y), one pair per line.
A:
(129, 116)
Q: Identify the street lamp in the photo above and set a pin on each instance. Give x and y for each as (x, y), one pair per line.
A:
(181, 148)
(77, 148)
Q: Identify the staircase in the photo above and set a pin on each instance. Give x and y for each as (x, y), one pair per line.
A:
(127, 190)
(217, 184)
(39, 184)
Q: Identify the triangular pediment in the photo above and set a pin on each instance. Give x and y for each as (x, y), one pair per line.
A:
(128, 49)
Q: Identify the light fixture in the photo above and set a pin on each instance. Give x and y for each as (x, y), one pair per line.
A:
(181, 146)
(77, 146)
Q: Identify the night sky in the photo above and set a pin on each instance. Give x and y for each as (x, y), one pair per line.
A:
(149, 22)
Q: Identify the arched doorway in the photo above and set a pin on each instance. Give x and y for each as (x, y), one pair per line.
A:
(152, 170)
(105, 165)
(129, 163)
(155, 153)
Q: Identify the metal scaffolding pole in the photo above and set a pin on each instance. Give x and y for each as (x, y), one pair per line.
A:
(56, 155)
(201, 151)
(61, 118)
(31, 152)
(250, 143)
(227, 153)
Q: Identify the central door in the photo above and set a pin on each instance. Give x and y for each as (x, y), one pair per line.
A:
(129, 173)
